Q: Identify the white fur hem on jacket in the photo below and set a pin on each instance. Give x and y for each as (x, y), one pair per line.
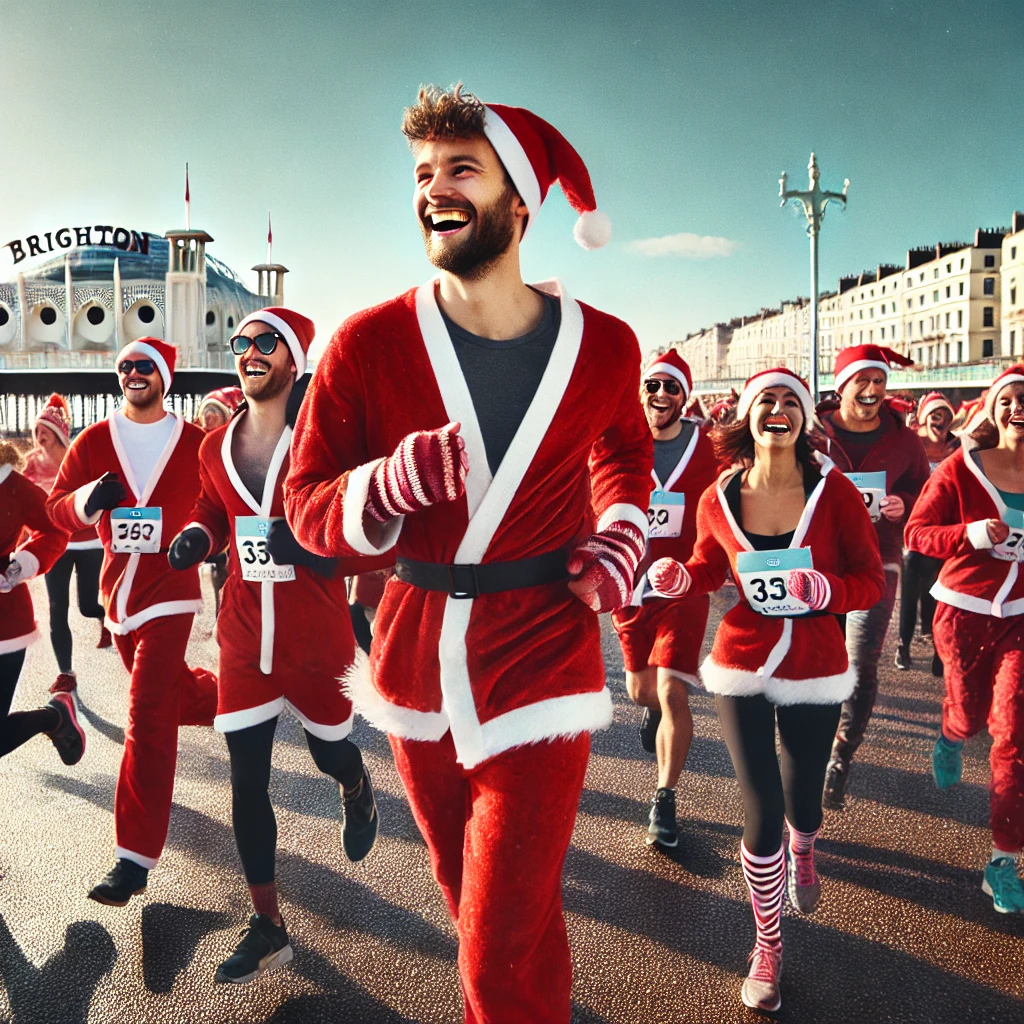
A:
(154, 611)
(738, 682)
(19, 643)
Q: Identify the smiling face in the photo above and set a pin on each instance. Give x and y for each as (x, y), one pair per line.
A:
(1009, 415)
(264, 377)
(664, 406)
(776, 418)
(938, 421)
(143, 391)
(862, 396)
(468, 210)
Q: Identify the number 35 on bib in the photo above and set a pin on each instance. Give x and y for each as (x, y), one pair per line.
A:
(254, 559)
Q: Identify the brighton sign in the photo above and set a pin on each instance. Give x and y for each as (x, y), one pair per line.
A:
(70, 238)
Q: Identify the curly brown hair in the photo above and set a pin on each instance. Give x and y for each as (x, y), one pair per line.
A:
(443, 114)
(10, 456)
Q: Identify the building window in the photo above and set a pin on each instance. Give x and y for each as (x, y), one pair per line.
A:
(920, 299)
(961, 287)
(959, 351)
(949, 268)
(920, 326)
(935, 272)
(910, 303)
(987, 317)
(871, 335)
(989, 286)
(211, 318)
(948, 290)
(961, 263)
(910, 330)
(986, 348)
(947, 321)
(947, 351)
(935, 295)
(861, 339)
(1013, 343)
(920, 276)
(959, 318)
(1013, 295)
(990, 261)
(931, 323)
(1013, 252)
(860, 314)
(882, 333)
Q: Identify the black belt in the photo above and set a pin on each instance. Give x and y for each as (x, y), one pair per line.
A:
(465, 580)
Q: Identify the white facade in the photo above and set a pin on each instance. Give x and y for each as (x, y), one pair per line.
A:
(707, 352)
(775, 337)
(1012, 273)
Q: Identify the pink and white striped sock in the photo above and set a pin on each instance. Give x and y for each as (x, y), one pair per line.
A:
(801, 846)
(766, 880)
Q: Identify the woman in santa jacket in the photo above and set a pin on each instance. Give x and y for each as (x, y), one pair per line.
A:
(23, 508)
(798, 540)
(971, 514)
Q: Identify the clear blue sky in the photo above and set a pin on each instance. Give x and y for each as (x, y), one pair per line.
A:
(684, 112)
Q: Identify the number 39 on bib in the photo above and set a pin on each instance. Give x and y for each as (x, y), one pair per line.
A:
(665, 514)
(136, 531)
(872, 490)
(764, 577)
(254, 559)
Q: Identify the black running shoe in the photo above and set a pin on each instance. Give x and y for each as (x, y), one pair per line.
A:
(837, 778)
(649, 729)
(264, 946)
(123, 881)
(662, 829)
(359, 832)
(903, 659)
(67, 736)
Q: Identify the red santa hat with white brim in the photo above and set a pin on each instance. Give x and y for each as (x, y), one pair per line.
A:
(852, 360)
(226, 399)
(675, 366)
(298, 331)
(536, 154)
(931, 402)
(780, 377)
(1012, 375)
(162, 354)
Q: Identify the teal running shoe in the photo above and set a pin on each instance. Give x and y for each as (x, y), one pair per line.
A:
(1003, 885)
(947, 762)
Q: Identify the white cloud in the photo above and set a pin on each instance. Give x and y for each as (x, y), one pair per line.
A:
(685, 245)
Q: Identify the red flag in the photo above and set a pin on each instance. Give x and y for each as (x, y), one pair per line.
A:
(186, 182)
(270, 233)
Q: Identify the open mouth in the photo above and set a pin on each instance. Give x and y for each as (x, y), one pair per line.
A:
(447, 222)
(137, 385)
(1017, 420)
(868, 400)
(253, 370)
(660, 406)
(777, 425)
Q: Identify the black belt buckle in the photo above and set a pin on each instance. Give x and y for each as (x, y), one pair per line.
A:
(462, 581)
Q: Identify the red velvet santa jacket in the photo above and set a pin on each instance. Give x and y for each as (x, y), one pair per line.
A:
(297, 626)
(789, 660)
(37, 469)
(136, 588)
(696, 470)
(499, 670)
(948, 522)
(23, 506)
(900, 455)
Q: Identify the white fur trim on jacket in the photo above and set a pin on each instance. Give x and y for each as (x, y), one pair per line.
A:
(19, 643)
(154, 611)
(28, 562)
(81, 497)
(622, 511)
(980, 605)
(357, 489)
(977, 535)
(738, 682)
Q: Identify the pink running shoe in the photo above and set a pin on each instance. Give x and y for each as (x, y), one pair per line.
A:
(67, 682)
(802, 882)
(761, 989)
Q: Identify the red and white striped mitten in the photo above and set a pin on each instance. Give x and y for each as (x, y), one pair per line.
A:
(427, 467)
(669, 578)
(602, 567)
(811, 587)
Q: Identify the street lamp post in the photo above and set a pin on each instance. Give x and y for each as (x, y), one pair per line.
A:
(814, 201)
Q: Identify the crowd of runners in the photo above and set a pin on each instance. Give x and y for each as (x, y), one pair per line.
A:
(478, 467)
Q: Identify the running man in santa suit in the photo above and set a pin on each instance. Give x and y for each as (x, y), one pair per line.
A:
(865, 434)
(490, 432)
(135, 475)
(284, 631)
(661, 637)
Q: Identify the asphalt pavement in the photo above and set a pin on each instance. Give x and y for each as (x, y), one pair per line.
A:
(903, 934)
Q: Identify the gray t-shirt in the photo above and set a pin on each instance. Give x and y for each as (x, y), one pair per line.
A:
(668, 453)
(503, 376)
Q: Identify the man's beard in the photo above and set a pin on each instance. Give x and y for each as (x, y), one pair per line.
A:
(263, 389)
(489, 237)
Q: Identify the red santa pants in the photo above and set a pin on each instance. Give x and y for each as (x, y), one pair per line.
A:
(497, 836)
(984, 661)
(666, 633)
(164, 693)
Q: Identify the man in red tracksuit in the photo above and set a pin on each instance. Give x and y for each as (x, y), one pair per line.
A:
(864, 433)
(135, 475)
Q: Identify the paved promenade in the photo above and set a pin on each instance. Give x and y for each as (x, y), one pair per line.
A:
(904, 933)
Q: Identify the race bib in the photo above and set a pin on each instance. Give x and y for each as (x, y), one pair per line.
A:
(764, 577)
(1012, 549)
(872, 490)
(665, 514)
(253, 557)
(136, 531)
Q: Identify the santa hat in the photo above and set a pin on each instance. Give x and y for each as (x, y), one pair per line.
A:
(296, 330)
(163, 354)
(535, 155)
(932, 401)
(57, 417)
(1013, 375)
(866, 357)
(226, 399)
(780, 377)
(674, 365)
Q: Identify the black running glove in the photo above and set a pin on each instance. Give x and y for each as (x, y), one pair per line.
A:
(189, 548)
(285, 550)
(108, 493)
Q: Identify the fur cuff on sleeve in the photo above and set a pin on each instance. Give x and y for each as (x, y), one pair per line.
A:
(977, 535)
(81, 497)
(28, 562)
(356, 492)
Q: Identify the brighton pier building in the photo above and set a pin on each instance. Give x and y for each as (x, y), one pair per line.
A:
(63, 322)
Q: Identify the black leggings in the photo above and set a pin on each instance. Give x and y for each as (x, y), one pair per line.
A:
(251, 812)
(919, 575)
(805, 734)
(22, 725)
(87, 563)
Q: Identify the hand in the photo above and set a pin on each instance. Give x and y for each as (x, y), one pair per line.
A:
(669, 578)
(12, 576)
(189, 548)
(427, 467)
(602, 567)
(811, 587)
(284, 549)
(998, 531)
(108, 493)
(892, 507)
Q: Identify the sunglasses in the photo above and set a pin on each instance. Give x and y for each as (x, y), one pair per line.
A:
(143, 366)
(654, 385)
(266, 343)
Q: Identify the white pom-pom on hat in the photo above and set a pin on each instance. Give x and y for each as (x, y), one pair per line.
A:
(593, 229)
